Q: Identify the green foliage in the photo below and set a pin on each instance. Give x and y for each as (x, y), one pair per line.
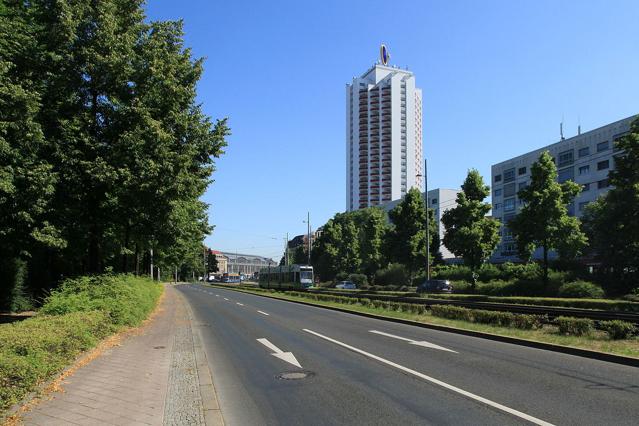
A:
(74, 319)
(543, 221)
(469, 233)
(611, 221)
(211, 262)
(502, 319)
(14, 298)
(125, 298)
(104, 149)
(407, 237)
(394, 274)
(581, 289)
(361, 280)
(575, 326)
(617, 329)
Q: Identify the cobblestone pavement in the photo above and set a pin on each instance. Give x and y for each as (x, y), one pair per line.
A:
(152, 378)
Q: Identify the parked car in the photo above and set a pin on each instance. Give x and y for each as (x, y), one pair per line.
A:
(435, 286)
(346, 285)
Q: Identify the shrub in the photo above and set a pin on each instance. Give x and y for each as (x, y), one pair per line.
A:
(581, 289)
(575, 326)
(125, 298)
(395, 274)
(451, 312)
(617, 329)
(360, 279)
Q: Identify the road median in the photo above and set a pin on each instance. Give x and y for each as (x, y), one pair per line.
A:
(595, 346)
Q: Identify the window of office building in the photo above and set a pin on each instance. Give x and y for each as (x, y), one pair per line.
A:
(497, 206)
(433, 201)
(584, 151)
(603, 184)
(566, 174)
(602, 146)
(509, 204)
(509, 175)
(603, 165)
(522, 185)
(583, 170)
(522, 171)
(497, 192)
(497, 178)
(566, 157)
(509, 190)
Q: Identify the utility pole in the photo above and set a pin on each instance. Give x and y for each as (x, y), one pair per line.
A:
(286, 251)
(151, 263)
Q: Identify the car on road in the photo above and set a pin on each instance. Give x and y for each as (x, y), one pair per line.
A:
(346, 285)
(435, 286)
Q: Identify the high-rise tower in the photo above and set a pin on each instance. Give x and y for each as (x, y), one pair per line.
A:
(383, 136)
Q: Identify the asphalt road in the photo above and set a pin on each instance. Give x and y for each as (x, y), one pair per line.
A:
(366, 371)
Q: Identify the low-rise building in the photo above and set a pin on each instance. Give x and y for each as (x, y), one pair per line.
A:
(246, 264)
(585, 159)
(440, 200)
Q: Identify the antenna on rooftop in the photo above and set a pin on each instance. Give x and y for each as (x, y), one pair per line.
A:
(561, 128)
(578, 125)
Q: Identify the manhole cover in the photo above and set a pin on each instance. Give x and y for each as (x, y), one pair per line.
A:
(297, 375)
(159, 347)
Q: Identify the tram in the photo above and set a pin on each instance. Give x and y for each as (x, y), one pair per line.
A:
(292, 277)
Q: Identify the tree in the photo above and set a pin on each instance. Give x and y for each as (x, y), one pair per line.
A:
(612, 221)
(211, 262)
(337, 249)
(104, 150)
(544, 221)
(406, 240)
(372, 225)
(469, 233)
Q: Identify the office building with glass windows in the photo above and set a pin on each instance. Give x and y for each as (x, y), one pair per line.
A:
(585, 158)
(383, 137)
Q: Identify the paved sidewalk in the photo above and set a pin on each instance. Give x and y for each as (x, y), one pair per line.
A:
(156, 377)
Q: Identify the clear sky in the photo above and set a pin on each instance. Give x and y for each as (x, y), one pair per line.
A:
(497, 78)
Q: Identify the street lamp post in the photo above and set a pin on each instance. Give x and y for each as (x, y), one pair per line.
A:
(425, 176)
(308, 237)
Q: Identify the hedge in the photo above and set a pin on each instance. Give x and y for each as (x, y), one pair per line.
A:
(502, 319)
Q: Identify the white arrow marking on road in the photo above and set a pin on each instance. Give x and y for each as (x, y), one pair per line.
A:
(414, 342)
(278, 353)
(263, 313)
(435, 381)
(217, 295)
(238, 303)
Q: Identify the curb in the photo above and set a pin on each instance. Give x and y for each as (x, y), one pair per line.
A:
(210, 405)
(570, 350)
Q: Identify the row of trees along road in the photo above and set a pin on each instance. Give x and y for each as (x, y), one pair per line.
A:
(104, 152)
(363, 242)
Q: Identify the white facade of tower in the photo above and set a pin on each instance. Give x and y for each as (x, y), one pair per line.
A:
(384, 157)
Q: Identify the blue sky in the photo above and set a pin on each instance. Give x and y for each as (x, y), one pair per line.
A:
(497, 78)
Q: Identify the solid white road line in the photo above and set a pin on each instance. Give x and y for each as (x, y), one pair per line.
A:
(414, 342)
(278, 353)
(238, 303)
(263, 313)
(217, 295)
(226, 299)
(435, 381)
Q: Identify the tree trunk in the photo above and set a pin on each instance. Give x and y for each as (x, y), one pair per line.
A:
(545, 247)
(125, 256)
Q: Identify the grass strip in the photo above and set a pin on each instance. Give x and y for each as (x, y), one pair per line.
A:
(595, 340)
(74, 318)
